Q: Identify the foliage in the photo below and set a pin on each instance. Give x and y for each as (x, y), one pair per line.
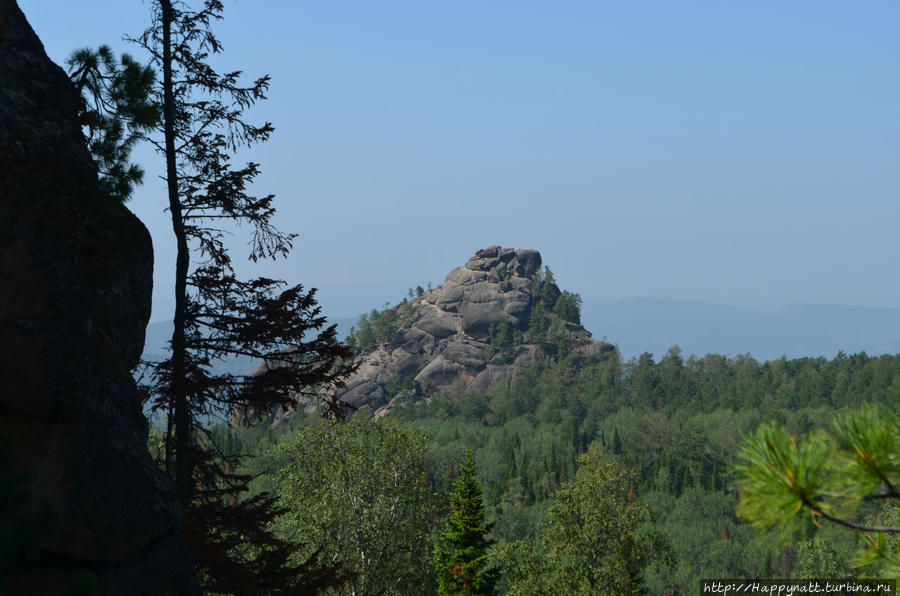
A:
(674, 421)
(218, 315)
(552, 311)
(538, 324)
(380, 327)
(118, 110)
(826, 554)
(502, 338)
(461, 551)
(501, 335)
(827, 476)
(598, 538)
(357, 493)
(231, 543)
(568, 307)
(396, 384)
(545, 288)
(782, 478)
(706, 540)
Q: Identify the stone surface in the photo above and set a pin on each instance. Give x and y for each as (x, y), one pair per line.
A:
(74, 301)
(444, 338)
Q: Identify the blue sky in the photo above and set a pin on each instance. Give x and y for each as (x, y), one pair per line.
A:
(743, 153)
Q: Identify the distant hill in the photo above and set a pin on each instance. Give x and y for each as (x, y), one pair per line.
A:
(654, 325)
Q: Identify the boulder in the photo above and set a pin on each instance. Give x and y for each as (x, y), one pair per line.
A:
(488, 253)
(440, 372)
(469, 354)
(487, 378)
(402, 363)
(436, 322)
(594, 348)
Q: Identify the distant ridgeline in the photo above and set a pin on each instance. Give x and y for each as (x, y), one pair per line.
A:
(489, 322)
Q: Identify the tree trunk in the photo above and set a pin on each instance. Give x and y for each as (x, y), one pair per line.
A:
(181, 415)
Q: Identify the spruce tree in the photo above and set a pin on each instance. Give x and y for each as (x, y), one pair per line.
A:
(219, 315)
(461, 553)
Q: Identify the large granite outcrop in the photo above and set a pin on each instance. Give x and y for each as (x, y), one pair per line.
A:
(75, 284)
(444, 335)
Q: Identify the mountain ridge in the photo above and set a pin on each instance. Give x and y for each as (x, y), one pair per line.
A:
(794, 330)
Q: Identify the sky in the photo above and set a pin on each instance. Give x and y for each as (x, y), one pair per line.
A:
(740, 153)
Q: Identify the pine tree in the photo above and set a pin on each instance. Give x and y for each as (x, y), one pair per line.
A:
(117, 111)
(785, 482)
(549, 290)
(218, 315)
(461, 553)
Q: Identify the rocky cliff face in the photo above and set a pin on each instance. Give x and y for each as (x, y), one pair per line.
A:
(450, 335)
(74, 302)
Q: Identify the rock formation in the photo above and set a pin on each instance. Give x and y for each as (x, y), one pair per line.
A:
(74, 301)
(445, 336)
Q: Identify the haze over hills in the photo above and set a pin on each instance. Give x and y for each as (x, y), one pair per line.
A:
(640, 325)
(654, 325)
(156, 347)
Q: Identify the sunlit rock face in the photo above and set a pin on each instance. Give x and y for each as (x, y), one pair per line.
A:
(75, 285)
(443, 339)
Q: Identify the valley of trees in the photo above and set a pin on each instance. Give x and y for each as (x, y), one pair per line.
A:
(600, 476)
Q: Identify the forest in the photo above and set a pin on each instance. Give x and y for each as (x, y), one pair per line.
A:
(659, 440)
(583, 473)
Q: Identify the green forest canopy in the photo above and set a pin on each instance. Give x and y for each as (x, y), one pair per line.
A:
(674, 425)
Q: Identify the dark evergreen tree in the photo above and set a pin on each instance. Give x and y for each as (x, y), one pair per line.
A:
(549, 291)
(118, 110)
(538, 324)
(461, 553)
(568, 307)
(219, 315)
(500, 335)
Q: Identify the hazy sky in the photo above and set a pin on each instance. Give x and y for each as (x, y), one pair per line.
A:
(736, 152)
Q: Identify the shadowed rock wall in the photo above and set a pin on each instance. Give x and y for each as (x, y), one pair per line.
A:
(75, 284)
